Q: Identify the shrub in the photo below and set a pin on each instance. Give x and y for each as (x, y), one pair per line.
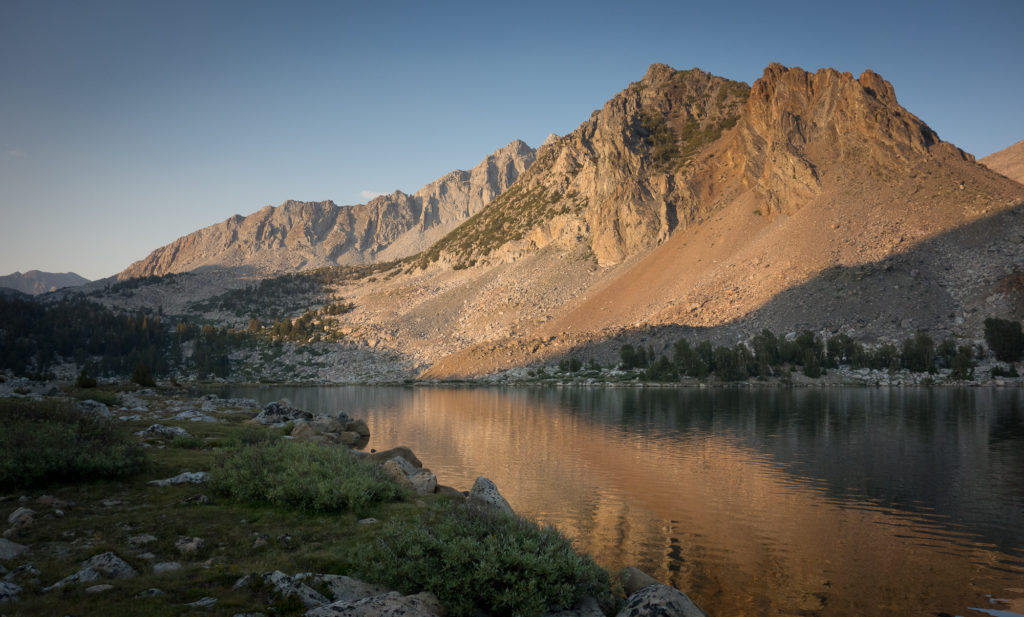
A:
(302, 475)
(475, 560)
(84, 380)
(142, 376)
(44, 442)
(1004, 338)
(999, 371)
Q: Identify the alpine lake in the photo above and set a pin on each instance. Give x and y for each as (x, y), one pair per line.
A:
(753, 501)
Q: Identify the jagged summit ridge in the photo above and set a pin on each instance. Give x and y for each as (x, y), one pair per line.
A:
(300, 234)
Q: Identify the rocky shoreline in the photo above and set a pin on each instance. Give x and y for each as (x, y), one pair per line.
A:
(36, 561)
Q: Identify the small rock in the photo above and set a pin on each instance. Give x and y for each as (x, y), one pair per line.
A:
(142, 539)
(165, 567)
(21, 516)
(195, 416)
(368, 521)
(110, 503)
(163, 432)
(424, 482)
(189, 545)
(485, 493)
(99, 588)
(198, 500)
(260, 541)
(10, 550)
(187, 477)
(152, 592)
(205, 602)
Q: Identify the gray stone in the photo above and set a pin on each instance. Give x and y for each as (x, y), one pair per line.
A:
(660, 601)
(187, 477)
(280, 413)
(110, 566)
(343, 588)
(21, 516)
(391, 604)
(358, 426)
(195, 416)
(96, 407)
(205, 602)
(287, 587)
(10, 550)
(99, 588)
(142, 539)
(634, 580)
(166, 567)
(407, 468)
(189, 545)
(367, 521)
(485, 493)
(152, 592)
(394, 469)
(163, 432)
(424, 482)
(85, 575)
(9, 592)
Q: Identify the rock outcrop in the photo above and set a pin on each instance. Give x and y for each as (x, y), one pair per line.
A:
(298, 235)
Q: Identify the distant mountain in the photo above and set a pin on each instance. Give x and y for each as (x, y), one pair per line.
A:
(1008, 161)
(297, 235)
(35, 282)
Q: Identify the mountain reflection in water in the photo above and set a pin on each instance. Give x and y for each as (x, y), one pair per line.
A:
(753, 501)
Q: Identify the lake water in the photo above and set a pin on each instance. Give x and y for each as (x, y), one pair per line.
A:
(752, 501)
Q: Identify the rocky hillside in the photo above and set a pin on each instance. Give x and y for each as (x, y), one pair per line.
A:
(1008, 161)
(35, 282)
(297, 235)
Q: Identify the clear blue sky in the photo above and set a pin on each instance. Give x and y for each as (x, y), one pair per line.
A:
(124, 125)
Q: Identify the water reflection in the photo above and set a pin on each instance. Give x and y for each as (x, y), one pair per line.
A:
(756, 502)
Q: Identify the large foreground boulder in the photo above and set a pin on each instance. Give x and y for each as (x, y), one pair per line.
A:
(660, 601)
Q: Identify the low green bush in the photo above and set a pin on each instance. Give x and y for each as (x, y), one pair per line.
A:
(44, 442)
(472, 559)
(302, 475)
(250, 435)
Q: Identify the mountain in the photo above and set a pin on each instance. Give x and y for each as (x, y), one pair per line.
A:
(35, 282)
(297, 235)
(818, 175)
(687, 205)
(1008, 161)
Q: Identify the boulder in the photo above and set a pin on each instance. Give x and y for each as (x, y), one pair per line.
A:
(9, 592)
(10, 550)
(424, 482)
(165, 567)
(485, 493)
(349, 438)
(395, 471)
(286, 586)
(163, 432)
(358, 426)
(99, 588)
(634, 579)
(95, 407)
(402, 451)
(660, 601)
(391, 604)
(104, 565)
(195, 416)
(343, 588)
(185, 477)
(280, 413)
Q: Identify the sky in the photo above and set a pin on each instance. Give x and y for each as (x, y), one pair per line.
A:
(125, 125)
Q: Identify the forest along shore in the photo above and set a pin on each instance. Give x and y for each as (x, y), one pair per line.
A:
(119, 495)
